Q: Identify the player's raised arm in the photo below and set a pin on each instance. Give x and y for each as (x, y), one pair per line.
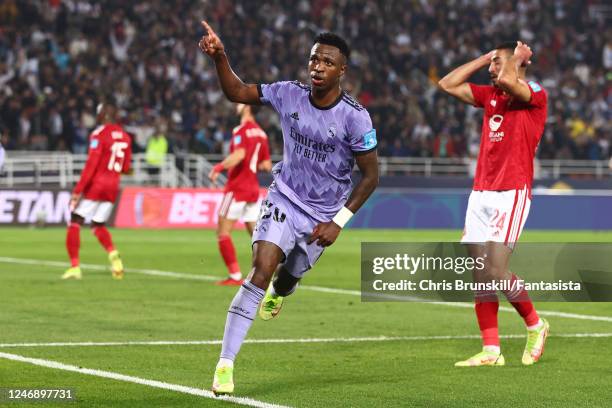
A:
(234, 89)
(509, 76)
(455, 82)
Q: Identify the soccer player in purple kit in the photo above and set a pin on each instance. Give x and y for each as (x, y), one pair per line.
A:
(325, 133)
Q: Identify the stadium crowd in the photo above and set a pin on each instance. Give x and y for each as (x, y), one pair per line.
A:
(58, 57)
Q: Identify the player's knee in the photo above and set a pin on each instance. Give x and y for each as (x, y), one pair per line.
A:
(262, 264)
(224, 226)
(266, 256)
(493, 271)
(263, 270)
(260, 277)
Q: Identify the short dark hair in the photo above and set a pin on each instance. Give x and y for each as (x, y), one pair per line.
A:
(334, 40)
(506, 45)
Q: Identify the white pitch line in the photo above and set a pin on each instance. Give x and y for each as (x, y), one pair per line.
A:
(463, 305)
(179, 275)
(137, 380)
(150, 272)
(287, 341)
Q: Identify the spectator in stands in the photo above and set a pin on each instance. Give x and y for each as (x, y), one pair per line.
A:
(443, 145)
(58, 54)
(157, 148)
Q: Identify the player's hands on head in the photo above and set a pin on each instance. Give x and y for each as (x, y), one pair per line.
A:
(210, 43)
(523, 53)
(325, 234)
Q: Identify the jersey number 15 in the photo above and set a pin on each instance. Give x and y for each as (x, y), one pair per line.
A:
(117, 156)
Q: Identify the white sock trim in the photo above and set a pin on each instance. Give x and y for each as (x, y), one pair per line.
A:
(536, 326)
(225, 362)
(492, 349)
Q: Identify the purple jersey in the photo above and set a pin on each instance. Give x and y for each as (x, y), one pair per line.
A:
(319, 147)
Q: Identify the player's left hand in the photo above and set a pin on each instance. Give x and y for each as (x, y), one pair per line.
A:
(325, 234)
(215, 171)
(523, 53)
(212, 175)
(74, 200)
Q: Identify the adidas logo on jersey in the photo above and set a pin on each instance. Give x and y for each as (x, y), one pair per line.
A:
(295, 116)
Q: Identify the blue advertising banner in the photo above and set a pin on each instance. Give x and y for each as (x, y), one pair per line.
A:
(394, 208)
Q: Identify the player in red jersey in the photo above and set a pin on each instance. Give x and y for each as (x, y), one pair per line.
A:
(110, 153)
(514, 118)
(249, 153)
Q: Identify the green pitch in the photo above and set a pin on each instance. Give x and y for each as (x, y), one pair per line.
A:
(415, 370)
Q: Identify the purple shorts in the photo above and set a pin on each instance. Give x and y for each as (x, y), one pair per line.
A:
(288, 227)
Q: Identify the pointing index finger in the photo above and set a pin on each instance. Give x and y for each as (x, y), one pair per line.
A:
(208, 28)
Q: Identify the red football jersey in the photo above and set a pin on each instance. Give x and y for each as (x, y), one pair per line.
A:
(511, 132)
(242, 178)
(110, 154)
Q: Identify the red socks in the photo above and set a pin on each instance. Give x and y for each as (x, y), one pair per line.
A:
(228, 252)
(104, 237)
(487, 305)
(519, 298)
(73, 243)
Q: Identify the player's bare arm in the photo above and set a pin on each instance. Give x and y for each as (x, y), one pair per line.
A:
(233, 87)
(230, 161)
(326, 233)
(86, 178)
(265, 165)
(74, 201)
(510, 78)
(368, 167)
(455, 83)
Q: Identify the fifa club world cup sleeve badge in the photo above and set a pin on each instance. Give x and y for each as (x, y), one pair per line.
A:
(369, 139)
